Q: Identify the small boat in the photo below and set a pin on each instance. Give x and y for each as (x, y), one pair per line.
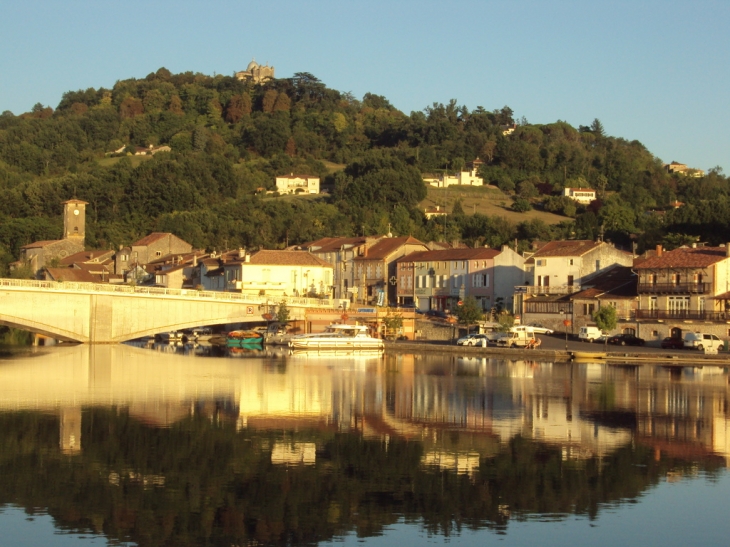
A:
(338, 337)
(588, 355)
(169, 337)
(244, 338)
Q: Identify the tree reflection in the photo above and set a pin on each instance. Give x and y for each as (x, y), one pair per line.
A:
(203, 482)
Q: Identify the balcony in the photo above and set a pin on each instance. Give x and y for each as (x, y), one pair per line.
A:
(682, 315)
(557, 289)
(674, 288)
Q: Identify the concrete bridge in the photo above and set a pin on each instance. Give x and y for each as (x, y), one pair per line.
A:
(108, 314)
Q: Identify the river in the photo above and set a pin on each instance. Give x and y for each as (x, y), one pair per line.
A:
(122, 445)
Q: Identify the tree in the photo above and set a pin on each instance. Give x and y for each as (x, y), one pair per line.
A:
(282, 313)
(469, 312)
(393, 322)
(605, 318)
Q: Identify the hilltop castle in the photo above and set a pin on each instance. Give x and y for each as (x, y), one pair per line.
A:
(256, 73)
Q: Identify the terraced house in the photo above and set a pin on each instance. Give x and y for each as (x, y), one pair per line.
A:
(684, 290)
(438, 280)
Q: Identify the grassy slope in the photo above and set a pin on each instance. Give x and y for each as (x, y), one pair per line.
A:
(487, 200)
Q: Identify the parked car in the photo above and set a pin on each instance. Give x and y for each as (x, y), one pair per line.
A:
(590, 334)
(626, 340)
(539, 329)
(437, 314)
(701, 341)
(472, 340)
(672, 343)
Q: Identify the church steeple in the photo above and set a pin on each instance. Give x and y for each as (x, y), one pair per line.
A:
(74, 220)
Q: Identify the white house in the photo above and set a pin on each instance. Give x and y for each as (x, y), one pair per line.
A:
(297, 184)
(277, 273)
(466, 177)
(581, 195)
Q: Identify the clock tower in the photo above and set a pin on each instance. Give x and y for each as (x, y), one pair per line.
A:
(74, 220)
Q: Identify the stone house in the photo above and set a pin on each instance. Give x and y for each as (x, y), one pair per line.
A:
(684, 290)
(375, 271)
(439, 279)
(40, 254)
(340, 252)
(148, 249)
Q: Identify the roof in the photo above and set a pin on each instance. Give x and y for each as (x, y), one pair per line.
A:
(685, 257)
(334, 244)
(76, 201)
(386, 246)
(40, 244)
(287, 258)
(151, 238)
(293, 176)
(571, 247)
(616, 282)
(465, 253)
(72, 275)
(98, 256)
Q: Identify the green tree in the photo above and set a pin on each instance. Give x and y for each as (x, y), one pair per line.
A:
(469, 312)
(393, 323)
(605, 318)
(282, 313)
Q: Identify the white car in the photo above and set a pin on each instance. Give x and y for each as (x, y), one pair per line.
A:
(539, 329)
(472, 340)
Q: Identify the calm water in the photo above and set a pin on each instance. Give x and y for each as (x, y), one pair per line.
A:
(132, 446)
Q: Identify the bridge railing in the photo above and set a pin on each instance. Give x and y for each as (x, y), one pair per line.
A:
(161, 291)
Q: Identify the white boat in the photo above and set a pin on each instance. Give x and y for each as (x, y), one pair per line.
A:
(338, 337)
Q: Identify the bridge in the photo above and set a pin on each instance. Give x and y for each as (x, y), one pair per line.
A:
(96, 313)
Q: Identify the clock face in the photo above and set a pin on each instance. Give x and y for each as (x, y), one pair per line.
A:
(76, 212)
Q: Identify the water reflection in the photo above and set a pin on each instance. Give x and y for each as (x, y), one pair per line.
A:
(162, 448)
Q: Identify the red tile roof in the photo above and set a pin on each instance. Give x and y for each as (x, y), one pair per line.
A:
(685, 257)
(571, 247)
(386, 246)
(333, 244)
(151, 238)
(481, 253)
(286, 258)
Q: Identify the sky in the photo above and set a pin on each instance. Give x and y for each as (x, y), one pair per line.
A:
(656, 71)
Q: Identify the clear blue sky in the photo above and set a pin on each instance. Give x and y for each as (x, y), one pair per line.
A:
(657, 71)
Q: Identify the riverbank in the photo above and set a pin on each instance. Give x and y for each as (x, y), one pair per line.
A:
(621, 357)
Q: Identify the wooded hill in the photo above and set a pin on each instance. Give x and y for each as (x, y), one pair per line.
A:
(230, 138)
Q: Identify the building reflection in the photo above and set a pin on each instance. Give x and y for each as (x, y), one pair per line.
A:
(460, 409)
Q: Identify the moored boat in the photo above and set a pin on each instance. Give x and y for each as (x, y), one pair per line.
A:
(338, 337)
(588, 355)
(244, 338)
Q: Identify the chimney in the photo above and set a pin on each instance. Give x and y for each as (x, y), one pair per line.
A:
(241, 252)
(195, 260)
(659, 250)
(727, 249)
(247, 258)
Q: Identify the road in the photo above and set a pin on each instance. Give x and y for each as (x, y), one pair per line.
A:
(557, 342)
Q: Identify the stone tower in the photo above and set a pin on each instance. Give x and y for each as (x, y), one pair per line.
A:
(74, 220)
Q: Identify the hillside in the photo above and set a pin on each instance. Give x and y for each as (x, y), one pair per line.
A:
(229, 138)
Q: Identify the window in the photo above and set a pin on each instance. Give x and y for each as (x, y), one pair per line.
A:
(570, 262)
(158, 253)
(570, 281)
(653, 303)
(486, 280)
(598, 264)
(541, 262)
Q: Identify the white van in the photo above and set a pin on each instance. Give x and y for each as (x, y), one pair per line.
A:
(701, 341)
(589, 334)
(519, 339)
